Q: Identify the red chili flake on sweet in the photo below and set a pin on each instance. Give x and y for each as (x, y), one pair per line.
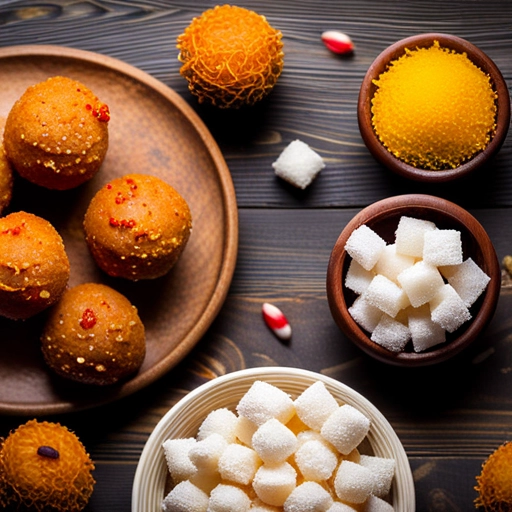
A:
(88, 320)
(12, 231)
(113, 222)
(124, 223)
(109, 186)
(48, 451)
(88, 107)
(102, 113)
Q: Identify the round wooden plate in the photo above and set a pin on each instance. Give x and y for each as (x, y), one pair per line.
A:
(152, 131)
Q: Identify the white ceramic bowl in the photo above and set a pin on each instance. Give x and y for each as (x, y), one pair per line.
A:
(184, 419)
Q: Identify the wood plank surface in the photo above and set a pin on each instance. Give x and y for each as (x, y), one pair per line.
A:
(449, 418)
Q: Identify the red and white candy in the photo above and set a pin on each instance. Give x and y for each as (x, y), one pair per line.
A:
(276, 321)
(338, 42)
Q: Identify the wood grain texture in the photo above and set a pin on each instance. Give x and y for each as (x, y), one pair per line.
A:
(449, 418)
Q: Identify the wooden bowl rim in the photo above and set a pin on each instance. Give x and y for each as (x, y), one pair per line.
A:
(367, 90)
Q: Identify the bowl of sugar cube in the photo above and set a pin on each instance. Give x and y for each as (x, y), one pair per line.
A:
(273, 439)
(413, 280)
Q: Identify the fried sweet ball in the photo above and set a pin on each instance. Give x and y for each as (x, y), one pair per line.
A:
(44, 467)
(34, 266)
(495, 481)
(137, 226)
(94, 335)
(56, 134)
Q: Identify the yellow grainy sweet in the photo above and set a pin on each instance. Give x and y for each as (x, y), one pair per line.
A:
(433, 108)
(44, 467)
(231, 56)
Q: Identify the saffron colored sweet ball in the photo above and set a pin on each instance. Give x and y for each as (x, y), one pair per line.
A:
(44, 467)
(56, 134)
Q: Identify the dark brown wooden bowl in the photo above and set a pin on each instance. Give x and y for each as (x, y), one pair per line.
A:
(393, 52)
(383, 217)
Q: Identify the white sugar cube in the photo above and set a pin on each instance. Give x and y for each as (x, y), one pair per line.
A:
(264, 401)
(375, 504)
(391, 263)
(185, 497)
(244, 430)
(365, 246)
(274, 442)
(219, 421)
(424, 333)
(383, 470)
(298, 164)
(345, 428)
(308, 497)
(442, 247)
(391, 334)
(315, 404)
(364, 314)
(448, 310)
(409, 235)
(274, 483)
(386, 295)
(205, 454)
(338, 506)
(228, 498)
(469, 281)
(238, 464)
(353, 482)
(420, 282)
(176, 455)
(357, 278)
(315, 460)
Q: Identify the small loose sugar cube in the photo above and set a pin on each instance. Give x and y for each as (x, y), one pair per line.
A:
(391, 263)
(409, 235)
(219, 421)
(375, 504)
(420, 282)
(364, 314)
(205, 454)
(298, 164)
(357, 278)
(391, 334)
(238, 464)
(345, 428)
(424, 333)
(386, 295)
(442, 247)
(353, 482)
(448, 310)
(365, 246)
(315, 404)
(274, 442)
(185, 497)
(315, 460)
(469, 281)
(383, 470)
(244, 430)
(337, 506)
(228, 498)
(308, 497)
(274, 483)
(264, 401)
(176, 455)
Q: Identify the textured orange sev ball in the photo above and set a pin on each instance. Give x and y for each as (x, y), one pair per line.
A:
(231, 56)
(433, 108)
(495, 481)
(44, 467)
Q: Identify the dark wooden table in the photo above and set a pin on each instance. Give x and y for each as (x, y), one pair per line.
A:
(449, 418)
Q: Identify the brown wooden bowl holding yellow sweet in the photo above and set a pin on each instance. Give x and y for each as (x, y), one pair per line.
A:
(401, 166)
(383, 217)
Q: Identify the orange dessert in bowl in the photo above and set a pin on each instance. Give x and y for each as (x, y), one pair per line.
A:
(433, 107)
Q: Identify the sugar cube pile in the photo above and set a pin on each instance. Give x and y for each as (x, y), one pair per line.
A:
(298, 164)
(414, 290)
(278, 454)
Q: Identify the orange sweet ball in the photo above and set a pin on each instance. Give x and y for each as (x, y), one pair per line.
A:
(495, 481)
(44, 467)
(231, 56)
